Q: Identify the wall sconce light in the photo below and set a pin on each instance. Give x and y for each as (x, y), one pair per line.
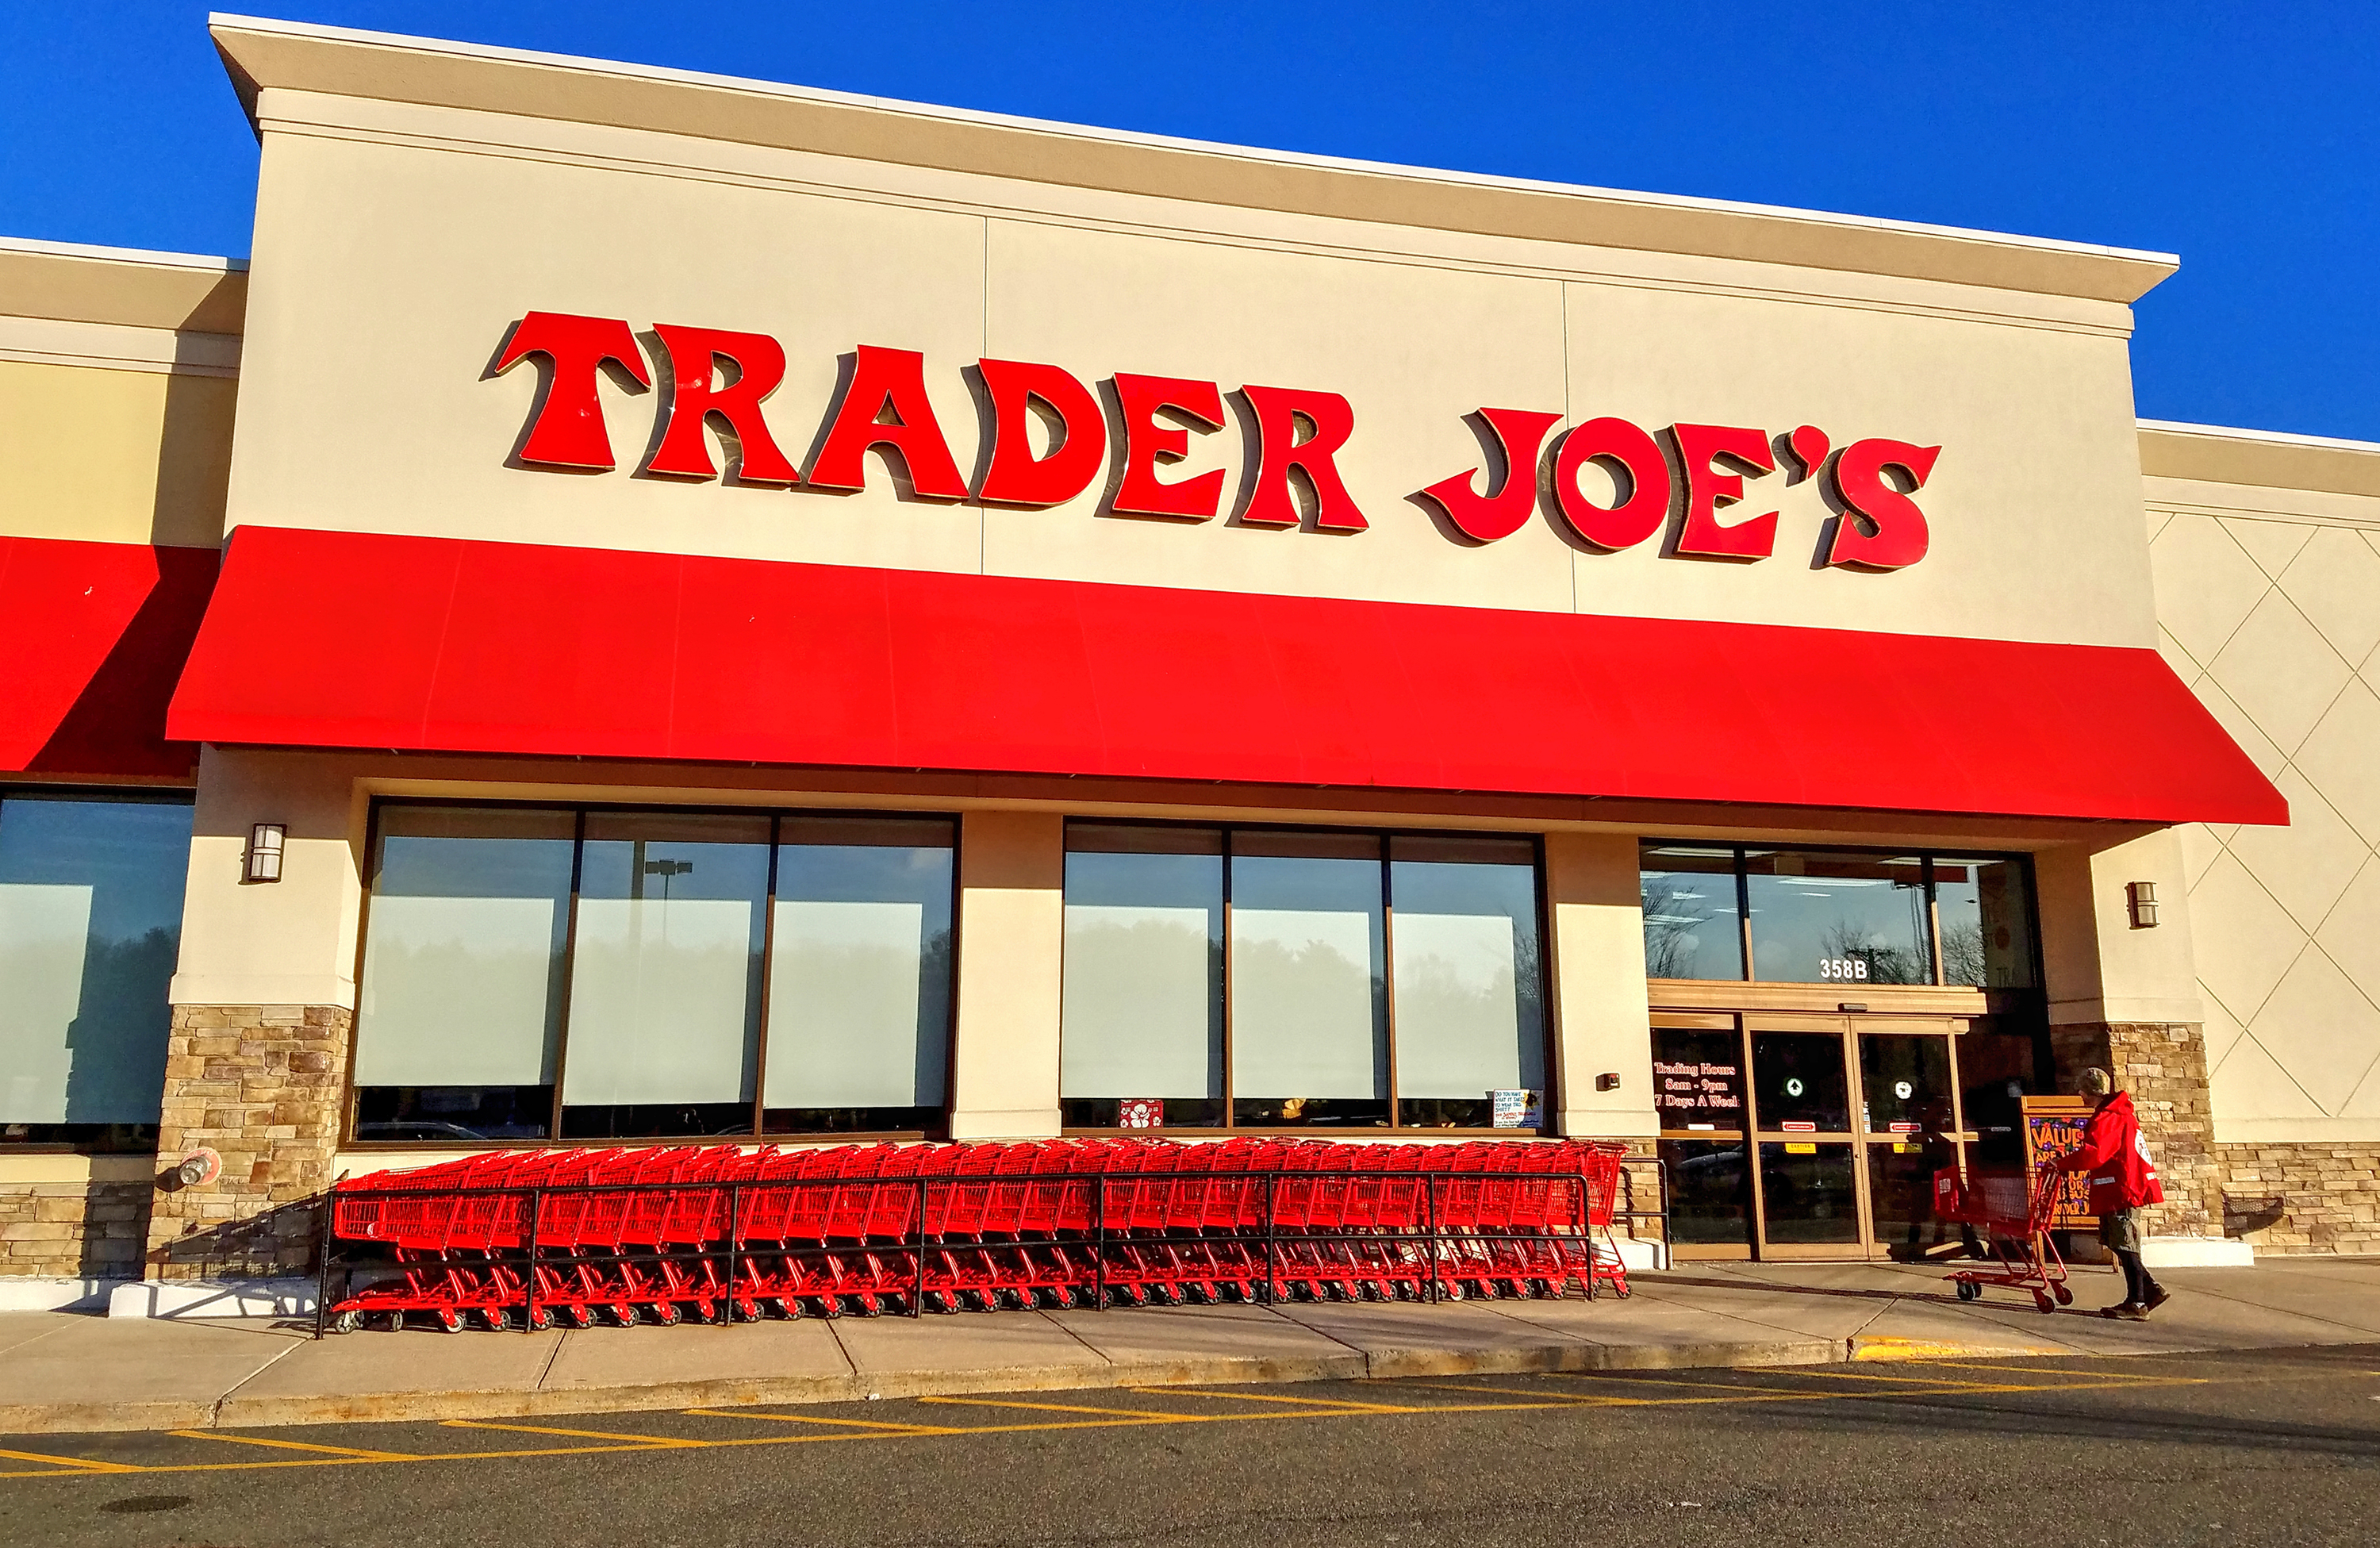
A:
(264, 845)
(1606, 1082)
(2140, 898)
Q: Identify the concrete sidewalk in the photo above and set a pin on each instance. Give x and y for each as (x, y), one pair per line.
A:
(69, 1372)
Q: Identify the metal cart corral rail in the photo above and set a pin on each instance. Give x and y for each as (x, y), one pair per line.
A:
(717, 1233)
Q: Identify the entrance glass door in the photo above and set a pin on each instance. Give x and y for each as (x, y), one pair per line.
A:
(1807, 1178)
(1911, 1128)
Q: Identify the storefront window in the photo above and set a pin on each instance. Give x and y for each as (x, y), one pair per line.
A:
(1819, 918)
(1692, 929)
(1987, 917)
(664, 975)
(91, 921)
(1467, 1002)
(1836, 917)
(1372, 981)
(460, 1007)
(1142, 1018)
(860, 979)
(1308, 984)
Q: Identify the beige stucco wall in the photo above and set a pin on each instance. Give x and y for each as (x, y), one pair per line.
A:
(2268, 606)
(1601, 1014)
(132, 450)
(394, 244)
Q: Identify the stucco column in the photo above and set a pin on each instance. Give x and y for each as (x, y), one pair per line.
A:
(1601, 1026)
(1011, 931)
(263, 1007)
(2126, 998)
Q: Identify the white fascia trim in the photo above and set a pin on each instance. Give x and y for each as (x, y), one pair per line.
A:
(200, 263)
(1168, 142)
(2273, 437)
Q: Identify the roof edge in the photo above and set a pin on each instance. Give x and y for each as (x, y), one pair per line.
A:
(130, 286)
(2266, 458)
(262, 53)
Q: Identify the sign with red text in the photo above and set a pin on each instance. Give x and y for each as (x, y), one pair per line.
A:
(1693, 482)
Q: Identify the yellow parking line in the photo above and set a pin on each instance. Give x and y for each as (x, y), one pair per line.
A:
(79, 1464)
(814, 1418)
(1076, 1409)
(356, 1454)
(1267, 1398)
(570, 1434)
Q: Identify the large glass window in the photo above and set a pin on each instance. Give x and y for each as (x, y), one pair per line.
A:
(634, 974)
(91, 922)
(1692, 929)
(1467, 992)
(1819, 918)
(1143, 1001)
(1836, 917)
(665, 976)
(859, 978)
(1986, 914)
(461, 1000)
(1360, 980)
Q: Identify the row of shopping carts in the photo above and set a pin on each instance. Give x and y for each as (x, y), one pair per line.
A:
(718, 1232)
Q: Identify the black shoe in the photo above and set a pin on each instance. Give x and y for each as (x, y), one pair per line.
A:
(2125, 1312)
(2159, 1295)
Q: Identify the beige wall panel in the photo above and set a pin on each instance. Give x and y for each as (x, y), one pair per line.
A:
(387, 275)
(1012, 934)
(107, 456)
(1600, 1019)
(1412, 348)
(2269, 599)
(285, 943)
(374, 245)
(2035, 508)
(2098, 966)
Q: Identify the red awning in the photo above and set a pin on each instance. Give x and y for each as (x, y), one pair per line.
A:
(439, 644)
(92, 638)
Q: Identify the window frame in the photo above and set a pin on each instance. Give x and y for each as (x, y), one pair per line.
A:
(148, 795)
(1927, 857)
(776, 816)
(1384, 836)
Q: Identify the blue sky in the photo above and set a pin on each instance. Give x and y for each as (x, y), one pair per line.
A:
(2244, 137)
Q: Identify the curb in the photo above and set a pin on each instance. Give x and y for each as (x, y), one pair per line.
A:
(235, 1412)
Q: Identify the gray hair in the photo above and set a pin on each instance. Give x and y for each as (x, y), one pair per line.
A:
(2097, 1082)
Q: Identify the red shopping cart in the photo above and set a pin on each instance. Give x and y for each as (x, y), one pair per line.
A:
(2012, 1212)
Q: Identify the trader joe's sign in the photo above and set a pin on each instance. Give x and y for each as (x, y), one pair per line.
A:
(716, 381)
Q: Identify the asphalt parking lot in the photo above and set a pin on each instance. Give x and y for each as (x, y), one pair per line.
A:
(2273, 1447)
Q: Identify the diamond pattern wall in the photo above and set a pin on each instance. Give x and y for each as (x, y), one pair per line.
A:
(2276, 625)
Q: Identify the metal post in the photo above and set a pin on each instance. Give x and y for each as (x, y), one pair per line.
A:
(1271, 1283)
(322, 1257)
(734, 1246)
(1099, 1242)
(1430, 1181)
(528, 1266)
(918, 1294)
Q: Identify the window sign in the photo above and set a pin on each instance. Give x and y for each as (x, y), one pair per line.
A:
(1697, 1079)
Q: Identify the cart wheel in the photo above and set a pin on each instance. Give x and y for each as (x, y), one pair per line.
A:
(346, 1322)
(1624, 1289)
(623, 1313)
(451, 1320)
(495, 1319)
(2065, 1296)
(2041, 1298)
(541, 1320)
(665, 1312)
(584, 1316)
(1969, 1289)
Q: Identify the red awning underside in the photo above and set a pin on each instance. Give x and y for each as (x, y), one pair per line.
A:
(92, 638)
(440, 644)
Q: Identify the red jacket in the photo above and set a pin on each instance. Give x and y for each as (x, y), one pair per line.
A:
(2122, 1175)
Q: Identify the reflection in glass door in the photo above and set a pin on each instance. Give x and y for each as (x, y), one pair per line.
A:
(1807, 1172)
(1911, 1128)
(1698, 1089)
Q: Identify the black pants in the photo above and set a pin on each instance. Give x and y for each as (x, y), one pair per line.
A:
(2138, 1286)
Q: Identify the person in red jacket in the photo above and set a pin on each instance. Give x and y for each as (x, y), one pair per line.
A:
(2123, 1182)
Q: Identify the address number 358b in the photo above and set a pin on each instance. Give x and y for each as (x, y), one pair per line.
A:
(1842, 968)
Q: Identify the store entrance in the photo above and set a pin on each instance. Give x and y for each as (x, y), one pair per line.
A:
(1808, 1137)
